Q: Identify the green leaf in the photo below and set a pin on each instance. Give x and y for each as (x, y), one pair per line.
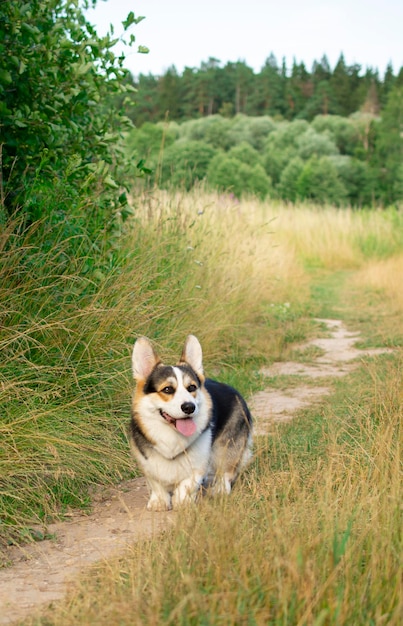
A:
(109, 182)
(129, 20)
(5, 77)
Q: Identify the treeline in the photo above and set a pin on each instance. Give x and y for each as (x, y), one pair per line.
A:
(235, 88)
(355, 160)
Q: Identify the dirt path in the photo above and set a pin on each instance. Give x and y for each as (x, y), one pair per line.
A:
(339, 357)
(40, 573)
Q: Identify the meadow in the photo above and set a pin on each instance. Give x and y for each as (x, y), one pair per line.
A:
(312, 532)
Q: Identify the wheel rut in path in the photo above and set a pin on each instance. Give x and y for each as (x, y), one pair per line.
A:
(40, 573)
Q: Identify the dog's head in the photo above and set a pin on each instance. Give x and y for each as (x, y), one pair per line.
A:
(171, 394)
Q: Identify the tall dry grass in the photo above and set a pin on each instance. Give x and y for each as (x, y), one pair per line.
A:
(311, 535)
(386, 277)
(232, 265)
(68, 328)
(337, 239)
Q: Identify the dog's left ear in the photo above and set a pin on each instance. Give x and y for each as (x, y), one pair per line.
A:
(192, 354)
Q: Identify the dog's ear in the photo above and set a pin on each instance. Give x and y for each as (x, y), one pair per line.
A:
(144, 359)
(192, 354)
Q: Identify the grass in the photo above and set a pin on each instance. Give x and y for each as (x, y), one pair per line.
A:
(315, 522)
(315, 528)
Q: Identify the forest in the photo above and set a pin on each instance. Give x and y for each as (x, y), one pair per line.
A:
(278, 91)
(325, 135)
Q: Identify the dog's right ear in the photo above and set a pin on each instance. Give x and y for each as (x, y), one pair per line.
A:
(192, 354)
(144, 359)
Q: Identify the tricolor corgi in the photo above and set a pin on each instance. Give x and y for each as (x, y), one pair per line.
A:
(186, 430)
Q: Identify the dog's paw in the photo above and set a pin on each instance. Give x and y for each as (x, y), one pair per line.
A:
(179, 501)
(158, 504)
(221, 486)
(187, 491)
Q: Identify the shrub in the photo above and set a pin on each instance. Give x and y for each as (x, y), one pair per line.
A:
(282, 146)
(357, 178)
(147, 140)
(254, 180)
(312, 143)
(223, 174)
(342, 130)
(57, 79)
(253, 130)
(213, 130)
(245, 153)
(319, 181)
(185, 162)
(288, 185)
(227, 173)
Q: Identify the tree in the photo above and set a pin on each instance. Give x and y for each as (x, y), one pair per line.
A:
(245, 154)
(345, 82)
(288, 185)
(342, 130)
(299, 89)
(56, 79)
(213, 129)
(321, 71)
(186, 162)
(320, 182)
(169, 95)
(228, 173)
(389, 81)
(312, 143)
(323, 101)
(269, 93)
(388, 155)
(145, 99)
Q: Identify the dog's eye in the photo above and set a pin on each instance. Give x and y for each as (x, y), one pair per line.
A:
(191, 388)
(168, 390)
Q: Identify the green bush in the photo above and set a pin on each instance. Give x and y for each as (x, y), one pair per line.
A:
(282, 146)
(288, 184)
(253, 130)
(186, 162)
(146, 141)
(319, 182)
(212, 129)
(254, 180)
(223, 174)
(245, 153)
(342, 130)
(275, 161)
(358, 179)
(57, 81)
(312, 143)
(227, 173)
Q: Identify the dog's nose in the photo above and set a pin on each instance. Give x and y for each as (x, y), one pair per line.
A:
(188, 408)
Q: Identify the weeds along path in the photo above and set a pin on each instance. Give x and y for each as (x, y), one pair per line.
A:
(40, 573)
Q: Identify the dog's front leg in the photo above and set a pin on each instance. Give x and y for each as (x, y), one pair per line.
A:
(160, 498)
(187, 490)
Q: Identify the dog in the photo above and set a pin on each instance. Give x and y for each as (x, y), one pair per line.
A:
(186, 431)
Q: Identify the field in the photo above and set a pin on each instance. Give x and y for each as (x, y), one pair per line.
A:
(312, 534)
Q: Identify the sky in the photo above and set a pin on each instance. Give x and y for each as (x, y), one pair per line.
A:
(185, 33)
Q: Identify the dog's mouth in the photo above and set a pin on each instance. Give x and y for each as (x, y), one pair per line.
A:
(185, 425)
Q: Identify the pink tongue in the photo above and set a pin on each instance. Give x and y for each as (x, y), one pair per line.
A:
(186, 427)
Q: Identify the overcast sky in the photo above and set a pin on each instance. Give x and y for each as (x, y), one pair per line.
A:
(185, 33)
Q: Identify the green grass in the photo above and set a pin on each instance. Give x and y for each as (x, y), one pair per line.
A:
(314, 528)
(314, 523)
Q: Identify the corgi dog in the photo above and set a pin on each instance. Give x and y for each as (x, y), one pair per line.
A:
(187, 431)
